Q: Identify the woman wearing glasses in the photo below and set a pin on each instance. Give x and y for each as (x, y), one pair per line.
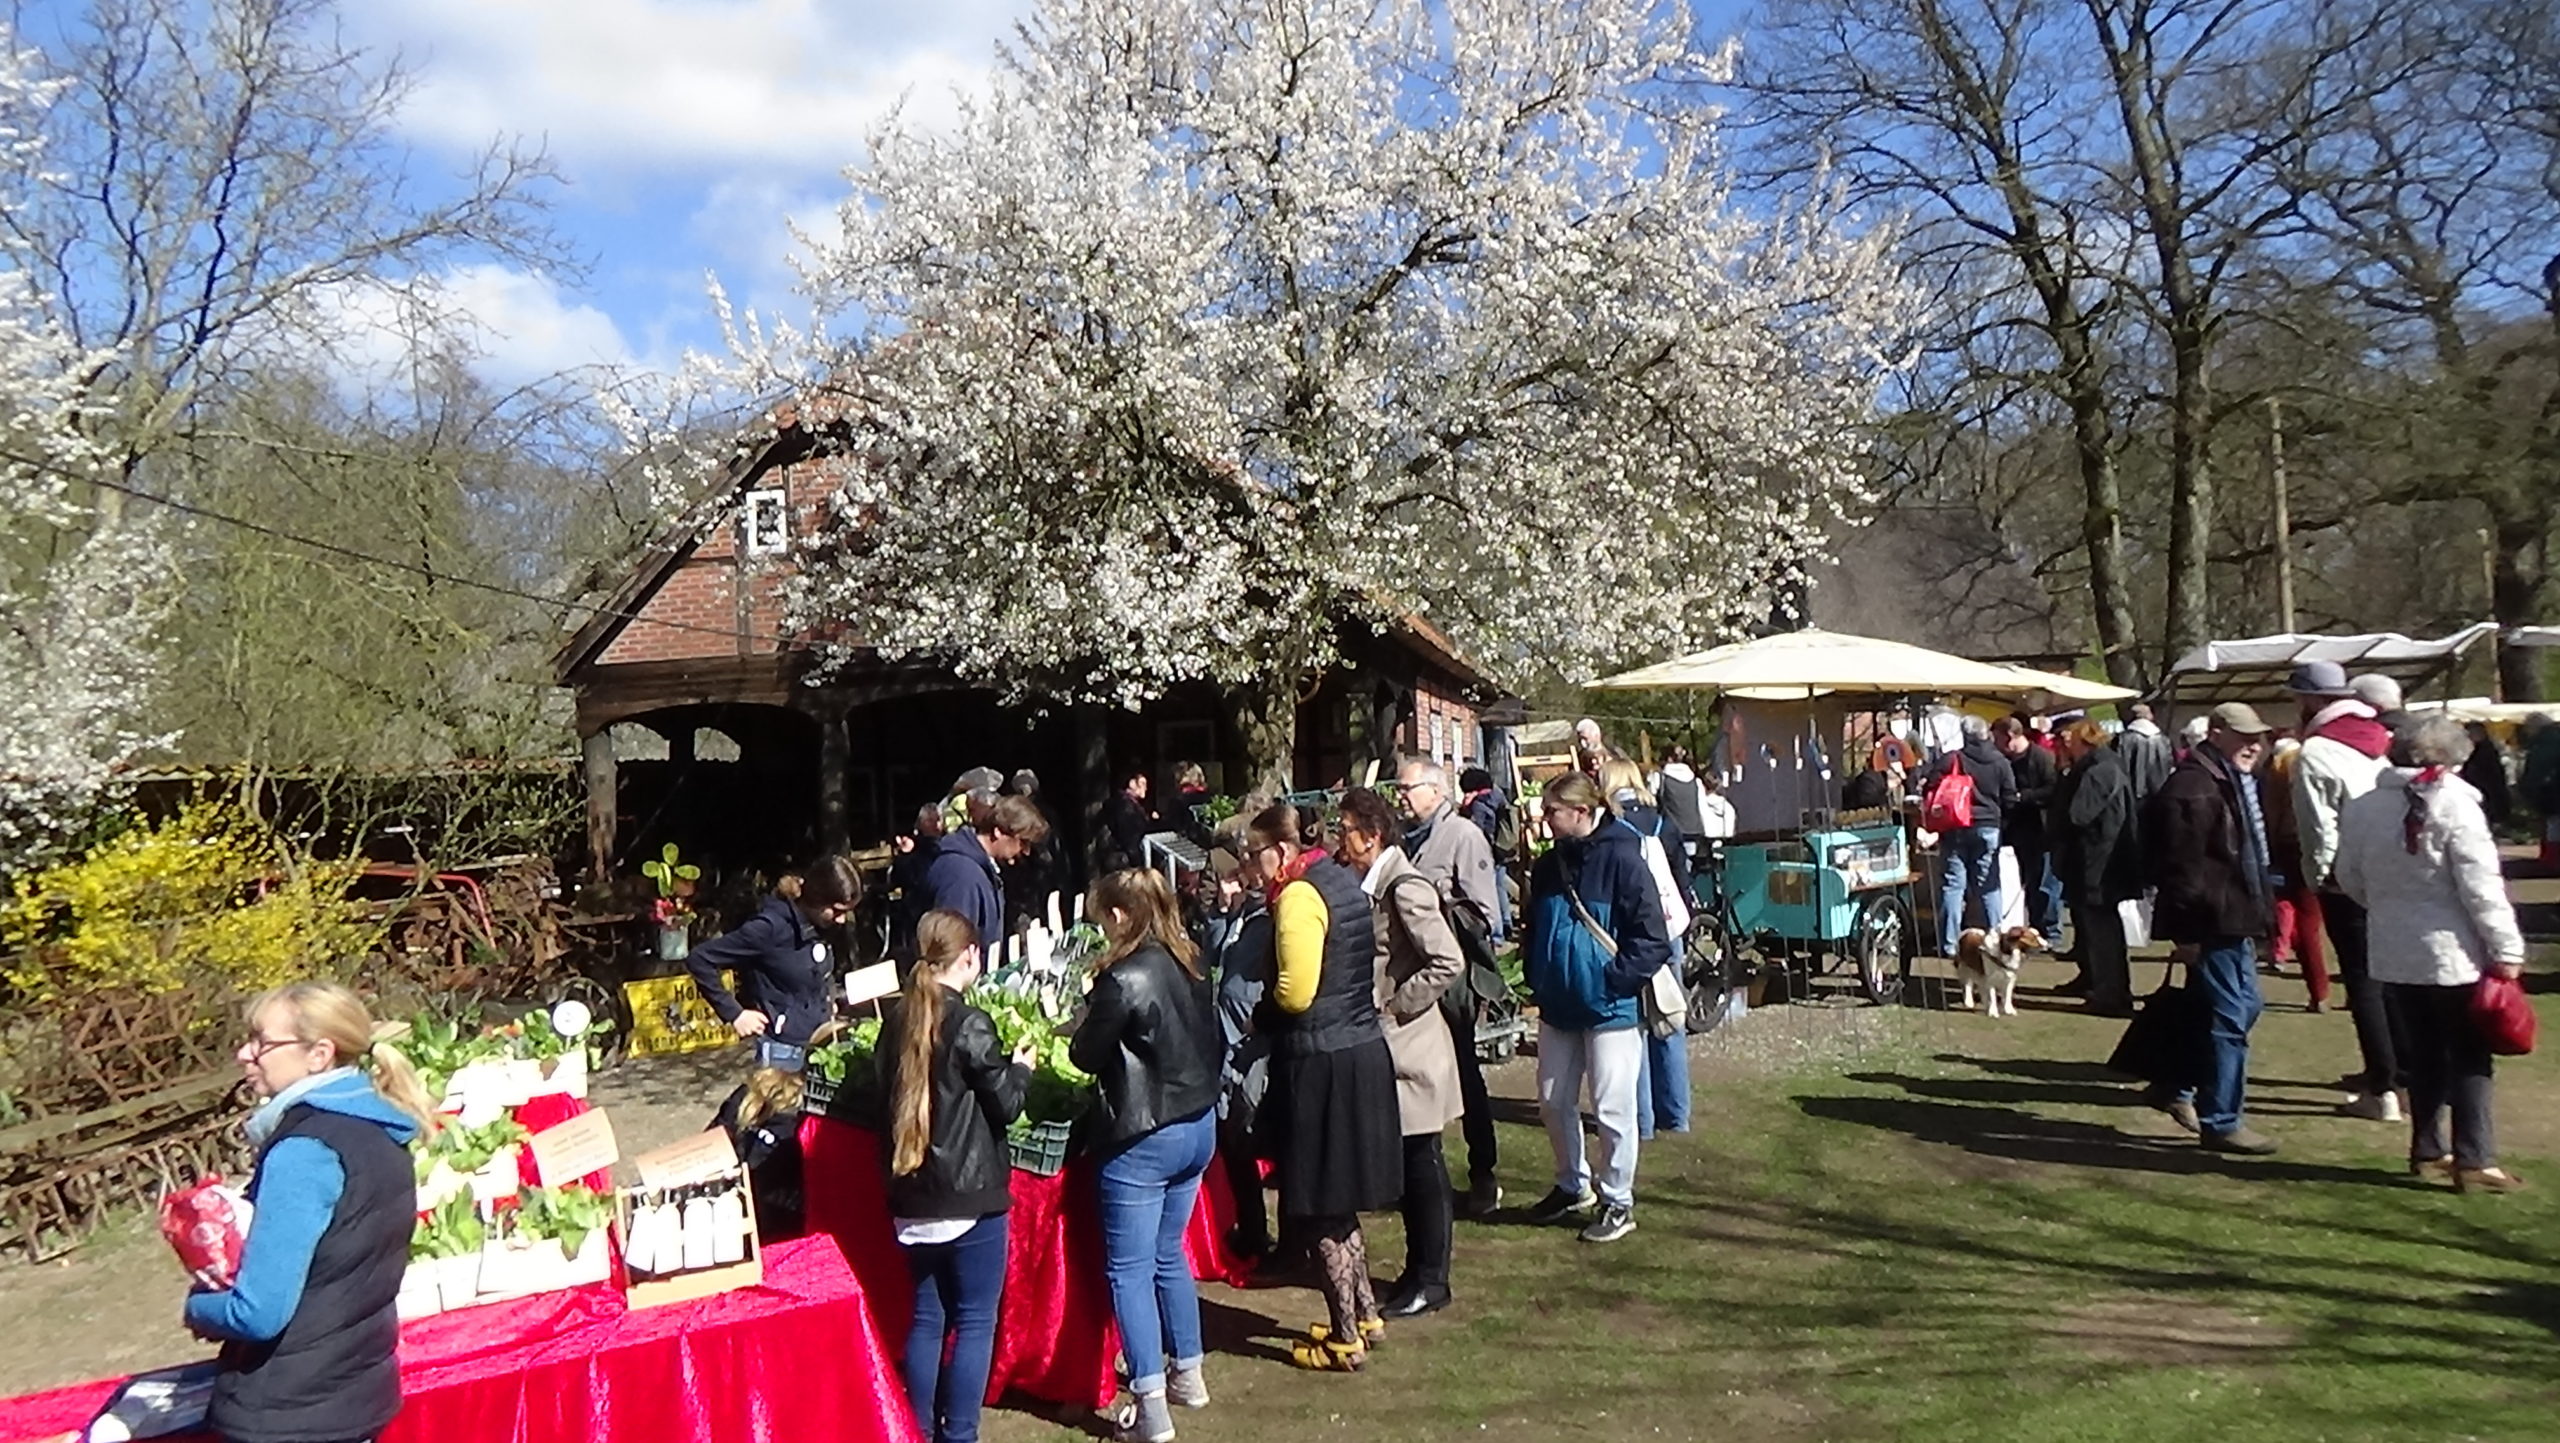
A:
(1331, 1120)
(785, 971)
(309, 1328)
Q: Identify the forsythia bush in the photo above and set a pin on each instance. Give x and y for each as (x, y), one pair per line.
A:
(211, 892)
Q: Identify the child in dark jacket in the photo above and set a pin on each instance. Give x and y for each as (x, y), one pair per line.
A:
(950, 1093)
(762, 1119)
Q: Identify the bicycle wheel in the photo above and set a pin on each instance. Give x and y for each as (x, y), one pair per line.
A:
(1713, 968)
(1881, 947)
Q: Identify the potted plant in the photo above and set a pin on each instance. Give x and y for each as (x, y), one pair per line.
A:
(673, 910)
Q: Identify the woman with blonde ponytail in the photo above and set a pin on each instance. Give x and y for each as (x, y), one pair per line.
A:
(308, 1329)
(951, 1095)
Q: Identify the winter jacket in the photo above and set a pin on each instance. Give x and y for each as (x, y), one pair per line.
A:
(2147, 758)
(1237, 950)
(1485, 810)
(2486, 770)
(1671, 877)
(2439, 912)
(1577, 984)
(2209, 866)
(964, 879)
(784, 968)
(1123, 844)
(2341, 759)
(1995, 783)
(1150, 1039)
(309, 1328)
(1682, 797)
(1456, 858)
(2540, 784)
(977, 1093)
(1417, 958)
(770, 1152)
(2092, 835)
(2036, 773)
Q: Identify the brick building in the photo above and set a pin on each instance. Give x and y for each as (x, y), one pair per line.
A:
(702, 723)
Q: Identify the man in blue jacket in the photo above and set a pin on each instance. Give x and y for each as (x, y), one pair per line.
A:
(1594, 934)
(965, 875)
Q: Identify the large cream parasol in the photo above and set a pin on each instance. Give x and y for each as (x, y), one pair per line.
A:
(1814, 663)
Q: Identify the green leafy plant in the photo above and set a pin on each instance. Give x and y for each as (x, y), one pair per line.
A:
(452, 1230)
(569, 1213)
(674, 878)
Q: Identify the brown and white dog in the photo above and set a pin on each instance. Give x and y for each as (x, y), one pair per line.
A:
(1994, 960)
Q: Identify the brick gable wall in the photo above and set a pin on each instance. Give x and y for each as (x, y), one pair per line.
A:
(695, 613)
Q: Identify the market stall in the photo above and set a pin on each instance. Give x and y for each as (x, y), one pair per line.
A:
(1805, 885)
(580, 1365)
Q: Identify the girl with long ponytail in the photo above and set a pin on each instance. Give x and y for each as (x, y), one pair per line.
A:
(951, 1095)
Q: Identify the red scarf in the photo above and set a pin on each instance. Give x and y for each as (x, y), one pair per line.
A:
(1296, 869)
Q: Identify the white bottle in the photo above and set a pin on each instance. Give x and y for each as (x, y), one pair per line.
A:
(701, 1234)
(729, 1228)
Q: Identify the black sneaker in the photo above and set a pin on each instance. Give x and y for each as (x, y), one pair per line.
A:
(1483, 1198)
(1612, 1222)
(1559, 1205)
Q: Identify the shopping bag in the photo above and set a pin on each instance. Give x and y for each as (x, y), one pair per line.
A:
(2164, 1043)
(2504, 1015)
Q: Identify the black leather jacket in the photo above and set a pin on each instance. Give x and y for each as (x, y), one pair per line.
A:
(1150, 1038)
(977, 1093)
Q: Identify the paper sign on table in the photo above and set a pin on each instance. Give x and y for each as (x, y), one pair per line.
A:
(682, 1164)
(867, 984)
(570, 1150)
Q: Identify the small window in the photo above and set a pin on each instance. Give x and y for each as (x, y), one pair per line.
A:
(768, 523)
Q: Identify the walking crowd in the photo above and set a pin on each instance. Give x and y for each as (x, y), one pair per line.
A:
(2360, 833)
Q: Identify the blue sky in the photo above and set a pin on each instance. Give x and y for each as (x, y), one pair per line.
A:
(688, 133)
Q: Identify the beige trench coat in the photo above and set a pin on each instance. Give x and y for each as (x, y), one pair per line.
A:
(1417, 959)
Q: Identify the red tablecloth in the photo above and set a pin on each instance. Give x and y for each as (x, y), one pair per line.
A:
(1055, 1338)
(795, 1358)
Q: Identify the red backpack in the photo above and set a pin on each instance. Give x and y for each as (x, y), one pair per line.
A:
(1949, 805)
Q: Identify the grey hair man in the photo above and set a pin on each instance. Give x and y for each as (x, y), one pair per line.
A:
(2145, 752)
(1453, 853)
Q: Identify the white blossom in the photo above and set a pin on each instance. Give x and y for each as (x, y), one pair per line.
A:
(1212, 316)
(76, 645)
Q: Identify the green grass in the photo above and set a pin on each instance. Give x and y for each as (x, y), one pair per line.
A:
(1962, 1230)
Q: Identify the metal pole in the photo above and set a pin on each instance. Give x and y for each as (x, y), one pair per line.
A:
(2284, 515)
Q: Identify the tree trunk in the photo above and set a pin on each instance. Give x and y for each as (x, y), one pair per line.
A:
(2101, 514)
(2520, 545)
(2190, 503)
(1264, 712)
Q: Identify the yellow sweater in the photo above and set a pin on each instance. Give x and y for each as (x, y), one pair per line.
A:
(1300, 920)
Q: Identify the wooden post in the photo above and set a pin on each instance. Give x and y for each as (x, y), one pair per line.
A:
(604, 819)
(2283, 515)
(835, 757)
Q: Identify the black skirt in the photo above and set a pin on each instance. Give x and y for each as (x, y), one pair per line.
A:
(1333, 1131)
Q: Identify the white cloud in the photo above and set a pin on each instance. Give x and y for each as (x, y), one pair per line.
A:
(519, 325)
(654, 85)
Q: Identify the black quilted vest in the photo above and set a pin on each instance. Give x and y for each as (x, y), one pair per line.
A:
(1345, 1011)
(334, 1373)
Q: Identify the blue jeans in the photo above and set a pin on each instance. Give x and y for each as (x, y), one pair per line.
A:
(1662, 1078)
(1148, 1188)
(1971, 857)
(1662, 1085)
(772, 1051)
(958, 1285)
(2225, 972)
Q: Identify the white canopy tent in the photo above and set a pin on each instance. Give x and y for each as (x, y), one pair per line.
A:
(2254, 669)
(2533, 636)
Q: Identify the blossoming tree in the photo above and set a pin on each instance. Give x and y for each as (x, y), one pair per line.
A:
(1216, 324)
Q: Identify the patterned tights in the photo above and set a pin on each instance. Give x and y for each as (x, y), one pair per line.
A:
(1344, 1258)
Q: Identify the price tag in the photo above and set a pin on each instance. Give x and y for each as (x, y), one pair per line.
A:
(570, 1150)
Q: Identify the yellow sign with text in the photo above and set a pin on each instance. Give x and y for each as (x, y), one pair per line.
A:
(669, 1016)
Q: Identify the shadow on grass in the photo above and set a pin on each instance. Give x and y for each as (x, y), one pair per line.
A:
(2007, 1132)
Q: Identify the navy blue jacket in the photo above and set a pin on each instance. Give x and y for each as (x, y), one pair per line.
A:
(1578, 985)
(785, 970)
(963, 879)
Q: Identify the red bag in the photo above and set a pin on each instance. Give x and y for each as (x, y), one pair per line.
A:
(1949, 805)
(208, 1226)
(2504, 1015)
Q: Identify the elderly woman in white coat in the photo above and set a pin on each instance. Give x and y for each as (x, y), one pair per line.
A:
(2417, 853)
(1417, 959)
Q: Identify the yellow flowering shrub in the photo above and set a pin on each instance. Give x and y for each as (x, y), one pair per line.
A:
(211, 892)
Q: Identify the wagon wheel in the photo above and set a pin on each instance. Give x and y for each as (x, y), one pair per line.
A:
(607, 1005)
(1881, 945)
